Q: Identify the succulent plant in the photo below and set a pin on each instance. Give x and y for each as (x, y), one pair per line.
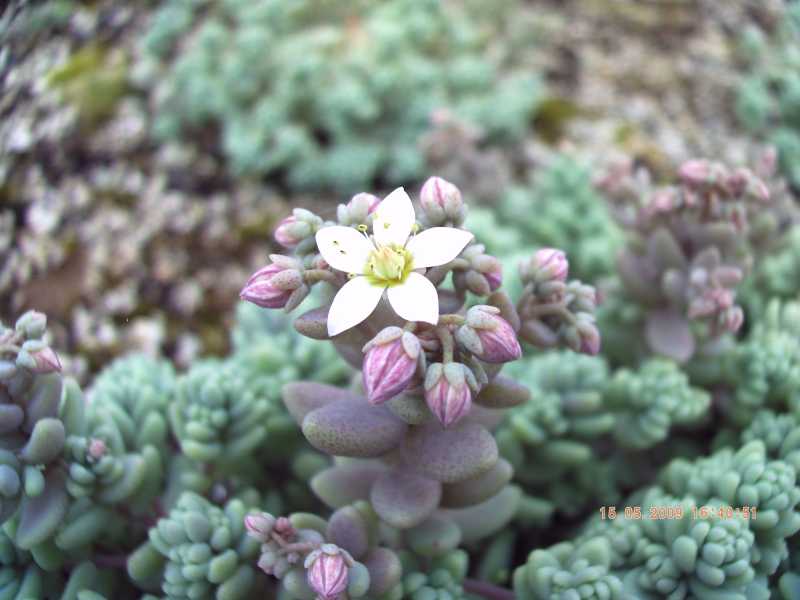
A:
(551, 201)
(767, 100)
(338, 124)
(198, 551)
(689, 247)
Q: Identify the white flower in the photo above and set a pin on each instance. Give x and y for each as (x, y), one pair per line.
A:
(388, 260)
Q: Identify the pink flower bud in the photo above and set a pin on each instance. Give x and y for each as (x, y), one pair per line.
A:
(494, 275)
(589, 335)
(590, 341)
(328, 571)
(441, 200)
(97, 448)
(489, 336)
(695, 172)
(284, 527)
(260, 525)
(47, 361)
(364, 202)
(448, 391)
(551, 264)
(272, 286)
(758, 190)
(389, 364)
(283, 233)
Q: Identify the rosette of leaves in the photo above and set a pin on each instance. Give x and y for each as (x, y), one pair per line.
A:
(320, 107)
(426, 471)
(439, 577)
(22, 578)
(218, 415)
(566, 571)
(768, 98)
(235, 435)
(544, 213)
(689, 246)
(376, 570)
(134, 392)
(777, 275)
(648, 402)
(762, 371)
(33, 433)
(199, 551)
(555, 431)
(265, 343)
(745, 478)
(780, 434)
(700, 555)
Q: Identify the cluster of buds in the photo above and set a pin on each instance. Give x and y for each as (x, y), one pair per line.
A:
(284, 283)
(690, 246)
(297, 231)
(306, 561)
(456, 353)
(553, 311)
(420, 434)
(22, 349)
(282, 546)
(441, 203)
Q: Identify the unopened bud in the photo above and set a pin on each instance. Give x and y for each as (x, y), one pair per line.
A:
(441, 201)
(549, 264)
(489, 336)
(695, 172)
(260, 525)
(43, 359)
(358, 210)
(97, 448)
(390, 362)
(328, 571)
(272, 286)
(448, 391)
(285, 232)
(589, 334)
(495, 277)
(32, 324)
(284, 527)
(731, 319)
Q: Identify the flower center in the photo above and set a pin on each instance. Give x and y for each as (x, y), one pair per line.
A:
(388, 265)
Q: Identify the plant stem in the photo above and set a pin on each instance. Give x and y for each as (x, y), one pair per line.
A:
(447, 343)
(487, 590)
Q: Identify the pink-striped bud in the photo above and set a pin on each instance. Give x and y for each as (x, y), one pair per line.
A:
(494, 275)
(297, 228)
(260, 525)
(359, 210)
(590, 338)
(550, 264)
(695, 172)
(328, 571)
(273, 285)
(488, 335)
(448, 391)
(390, 362)
(441, 201)
(46, 360)
(283, 232)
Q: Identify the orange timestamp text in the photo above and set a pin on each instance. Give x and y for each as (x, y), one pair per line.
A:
(678, 511)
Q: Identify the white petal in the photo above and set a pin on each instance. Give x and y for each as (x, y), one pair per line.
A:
(352, 304)
(415, 299)
(343, 248)
(437, 246)
(393, 219)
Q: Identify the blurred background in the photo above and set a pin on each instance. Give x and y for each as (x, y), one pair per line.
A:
(147, 149)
